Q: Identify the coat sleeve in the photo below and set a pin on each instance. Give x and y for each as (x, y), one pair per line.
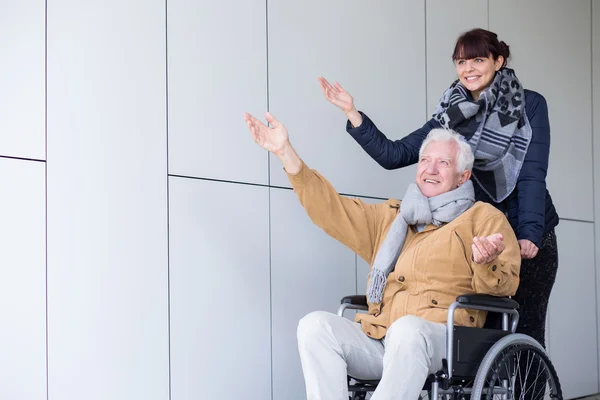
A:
(531, 183)
(352, 222)
(501, 276)
(388, 153)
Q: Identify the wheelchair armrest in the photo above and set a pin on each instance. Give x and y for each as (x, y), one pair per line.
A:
(487, 300)
(355, 300)
(353, 303)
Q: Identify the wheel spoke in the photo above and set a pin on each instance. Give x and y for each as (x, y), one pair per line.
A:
(518, 372)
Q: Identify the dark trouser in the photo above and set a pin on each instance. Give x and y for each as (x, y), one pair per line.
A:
(537, 279)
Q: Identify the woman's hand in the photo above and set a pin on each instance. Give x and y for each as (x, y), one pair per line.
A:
(337, 96)
(528, 249)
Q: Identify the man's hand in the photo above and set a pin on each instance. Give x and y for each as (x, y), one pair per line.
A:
(274, 140)
(528, 249)
(271, 139)
(486, 249)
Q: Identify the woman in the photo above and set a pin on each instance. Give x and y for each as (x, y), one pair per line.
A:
(509, 132)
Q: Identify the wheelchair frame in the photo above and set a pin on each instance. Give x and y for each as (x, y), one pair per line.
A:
(466, 364)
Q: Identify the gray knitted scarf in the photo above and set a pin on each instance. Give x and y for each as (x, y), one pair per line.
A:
(495, 126)
(415, 209)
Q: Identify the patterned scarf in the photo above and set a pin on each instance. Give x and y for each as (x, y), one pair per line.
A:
(495, 126)
(415, 209)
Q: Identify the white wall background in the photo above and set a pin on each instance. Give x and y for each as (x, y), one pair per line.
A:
(150, 250)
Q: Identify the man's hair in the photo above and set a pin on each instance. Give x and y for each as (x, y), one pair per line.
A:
(464, 156)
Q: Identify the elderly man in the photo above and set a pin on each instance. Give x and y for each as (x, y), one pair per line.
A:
(435, 245)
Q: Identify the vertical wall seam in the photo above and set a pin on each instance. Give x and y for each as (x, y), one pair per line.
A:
(168, 195)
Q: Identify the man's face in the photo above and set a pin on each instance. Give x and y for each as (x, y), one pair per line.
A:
(437, 170)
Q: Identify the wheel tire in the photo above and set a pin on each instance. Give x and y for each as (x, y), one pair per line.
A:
(502, 350)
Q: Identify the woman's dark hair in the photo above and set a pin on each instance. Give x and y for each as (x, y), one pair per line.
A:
(480, 43)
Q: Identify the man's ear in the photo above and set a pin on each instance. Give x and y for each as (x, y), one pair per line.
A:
(465, 176)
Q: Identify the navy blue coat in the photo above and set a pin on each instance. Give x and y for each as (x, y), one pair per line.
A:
(529, 207)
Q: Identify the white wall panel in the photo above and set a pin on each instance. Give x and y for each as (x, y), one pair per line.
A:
(573, 336)
(377, 53)
(535, 32)
(220, 290)
(107, 201)
(22, 280)
(22, 80)
(446, 20)
(217, 70)
(310, 272)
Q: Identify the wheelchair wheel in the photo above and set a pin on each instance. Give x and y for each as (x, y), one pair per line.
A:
(516, 367)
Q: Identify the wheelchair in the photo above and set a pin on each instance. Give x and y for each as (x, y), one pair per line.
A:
(493, 362)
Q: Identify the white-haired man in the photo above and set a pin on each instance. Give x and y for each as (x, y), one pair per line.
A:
(437, 244)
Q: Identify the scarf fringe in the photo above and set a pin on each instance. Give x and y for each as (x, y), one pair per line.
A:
(377, 282)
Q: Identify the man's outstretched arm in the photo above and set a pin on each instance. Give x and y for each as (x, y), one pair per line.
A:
(350, 221)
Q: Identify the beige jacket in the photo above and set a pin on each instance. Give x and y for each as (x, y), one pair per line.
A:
(435, 265)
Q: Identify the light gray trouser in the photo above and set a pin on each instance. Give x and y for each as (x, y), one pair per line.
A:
(332, 347)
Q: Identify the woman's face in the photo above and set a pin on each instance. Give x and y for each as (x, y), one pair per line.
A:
(476, 74)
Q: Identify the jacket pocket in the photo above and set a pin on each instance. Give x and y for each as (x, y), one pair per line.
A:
(464, 248)
(438, 300)
(462, 317)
